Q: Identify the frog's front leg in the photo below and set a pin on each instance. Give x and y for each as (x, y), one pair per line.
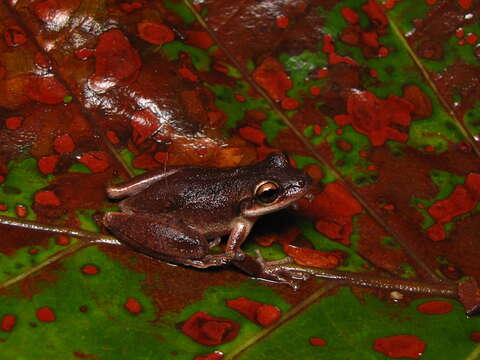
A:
(240, 229)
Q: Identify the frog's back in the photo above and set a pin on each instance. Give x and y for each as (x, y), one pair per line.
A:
(204, 198)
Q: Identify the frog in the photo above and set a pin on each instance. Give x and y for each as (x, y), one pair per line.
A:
(180, 213)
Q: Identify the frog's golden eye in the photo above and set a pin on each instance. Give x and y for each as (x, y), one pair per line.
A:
(267, 192)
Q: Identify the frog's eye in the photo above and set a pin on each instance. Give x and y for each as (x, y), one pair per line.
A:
(267, 192)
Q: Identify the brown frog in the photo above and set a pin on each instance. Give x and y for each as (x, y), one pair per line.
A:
(179, 214)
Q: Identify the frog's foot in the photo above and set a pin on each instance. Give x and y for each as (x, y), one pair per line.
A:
(209, 261)
(279, 271)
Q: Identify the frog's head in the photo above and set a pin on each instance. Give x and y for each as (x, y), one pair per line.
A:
(278, 187)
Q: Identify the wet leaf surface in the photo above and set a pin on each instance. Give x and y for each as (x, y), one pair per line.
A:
(377, 101)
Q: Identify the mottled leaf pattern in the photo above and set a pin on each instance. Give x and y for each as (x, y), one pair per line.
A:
(378, 101)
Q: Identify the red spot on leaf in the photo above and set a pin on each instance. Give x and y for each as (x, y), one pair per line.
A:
(208, 330)
(475, 336)
(334, 208)
(282, 22)
(15, 36)
(383, 52)
(400, 346)
(220, 68)
(96, 161)
(129, 7)
(465, 4)
(144, 124)
(370, 39)
(240, 97)
(63, 144)
(63, 240)
(328, 46)
(117, 62)
(3, 206)
(289, 104)
(245, 306)
(435, 307)
(463, 199)
(14, 122)
(200, 39)
(252, 134)
(271, 76)
(315, 258)
(375, 13)
(314, 90)
(471, 39)
(45, 314)
(8, 322)
(389, 207)
(112, 137)
(47, 164)
(21, 211)
(262, 314)
(422, 106)
(133, 306)
(268, 315)
(155, 33)
(47, 198)
(472, 183)
(316, 341)
(216, 355)
(322, 73)
(377, 118)
(350, 15)
(436, 232)
(334, 59)
(46, 90)
(390, 4)
(314, 171)
(187, 74)
(90, 269)
(344, 145)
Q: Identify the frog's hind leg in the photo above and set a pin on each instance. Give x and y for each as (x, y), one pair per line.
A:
(161, 237)
(164, 238)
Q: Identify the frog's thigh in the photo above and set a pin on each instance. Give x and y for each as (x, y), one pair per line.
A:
(162, 237)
